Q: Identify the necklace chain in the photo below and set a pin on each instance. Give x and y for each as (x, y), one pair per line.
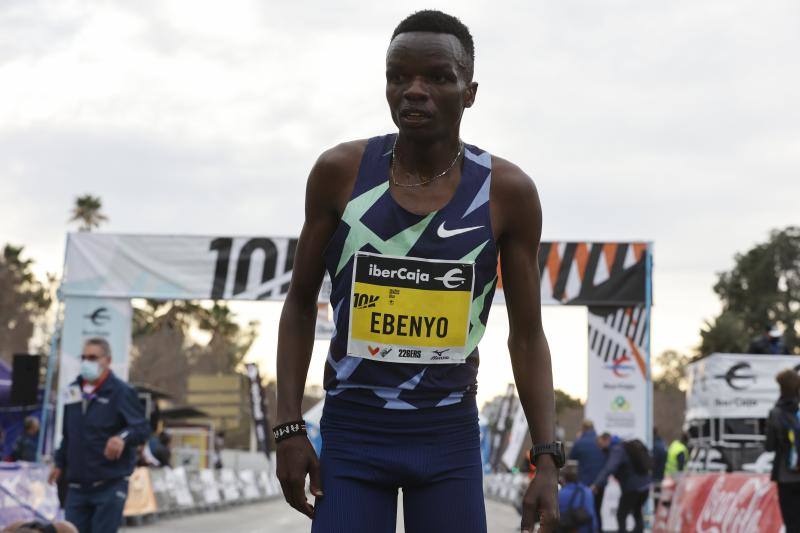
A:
(422, 180)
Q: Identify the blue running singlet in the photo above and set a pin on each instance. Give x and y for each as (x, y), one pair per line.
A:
(410, 287)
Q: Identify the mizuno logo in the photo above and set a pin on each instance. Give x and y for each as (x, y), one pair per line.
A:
(451, 279)
(444, 233)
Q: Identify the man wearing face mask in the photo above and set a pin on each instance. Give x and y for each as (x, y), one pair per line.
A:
(103, 424)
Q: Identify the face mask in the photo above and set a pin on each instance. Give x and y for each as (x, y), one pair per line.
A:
(90, 370)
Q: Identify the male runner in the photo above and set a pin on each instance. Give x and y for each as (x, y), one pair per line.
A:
(409, 227)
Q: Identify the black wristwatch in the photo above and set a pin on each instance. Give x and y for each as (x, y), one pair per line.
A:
(556, 449)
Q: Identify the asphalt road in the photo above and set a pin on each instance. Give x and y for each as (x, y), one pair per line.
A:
(276, 516)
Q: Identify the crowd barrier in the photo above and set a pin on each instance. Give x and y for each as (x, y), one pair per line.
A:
(168, 491)
(25, 493)
(152, 492)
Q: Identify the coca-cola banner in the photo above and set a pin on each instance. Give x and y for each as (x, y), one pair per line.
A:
(722, 503)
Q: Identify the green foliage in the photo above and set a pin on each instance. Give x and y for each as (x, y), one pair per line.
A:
(166, 346)
(565, 401)
(671, 372)
(762, 288)
(725, 334)
(87, 212)
(24, 303)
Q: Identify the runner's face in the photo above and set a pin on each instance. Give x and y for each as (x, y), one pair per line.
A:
(426, 84)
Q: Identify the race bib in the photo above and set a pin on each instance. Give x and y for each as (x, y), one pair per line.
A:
(410, 310)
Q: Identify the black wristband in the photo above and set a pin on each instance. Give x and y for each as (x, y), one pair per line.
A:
(289, 429)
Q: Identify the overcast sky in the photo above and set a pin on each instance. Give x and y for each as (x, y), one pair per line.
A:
(676, 122)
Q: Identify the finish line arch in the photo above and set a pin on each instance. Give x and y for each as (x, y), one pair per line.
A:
(103, 272)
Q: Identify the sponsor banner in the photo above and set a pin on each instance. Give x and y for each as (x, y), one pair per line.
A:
(733, 503)
(25, 493)
(258, 408)
(178, 267)
(84, 318)
(259, 268)
(735, 385)
(499, 431)
(410, 310)
(519, 428)
(618, 386)
(590, 273)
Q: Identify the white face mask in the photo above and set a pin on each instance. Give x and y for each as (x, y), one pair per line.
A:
(90, 370)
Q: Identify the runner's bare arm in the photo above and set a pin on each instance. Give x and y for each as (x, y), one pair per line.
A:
(520, 217)
(329, 185)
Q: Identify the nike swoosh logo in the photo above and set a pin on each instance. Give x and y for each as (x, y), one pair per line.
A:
(445, 233)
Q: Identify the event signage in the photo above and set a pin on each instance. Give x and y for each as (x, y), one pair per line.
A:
(618, 384)
(260, 268)
(735, 385)
(258, 408)
(85, 318)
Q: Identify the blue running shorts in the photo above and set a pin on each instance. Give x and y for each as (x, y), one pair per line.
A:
(369, 452)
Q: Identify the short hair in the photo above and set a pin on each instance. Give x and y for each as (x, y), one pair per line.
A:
(587, 425)
(570, 473)
(101, 342)
(605, 436)
(789, 382)
(434, 21)
(29, 422)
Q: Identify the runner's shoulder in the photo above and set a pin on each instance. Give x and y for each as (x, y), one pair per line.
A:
(510, 183)
(341, 161)
(334, 173)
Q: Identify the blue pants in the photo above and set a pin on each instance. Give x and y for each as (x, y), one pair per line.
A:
(369, 452)
(97, 509)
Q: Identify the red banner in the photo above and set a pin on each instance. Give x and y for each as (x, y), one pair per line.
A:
(721, 503)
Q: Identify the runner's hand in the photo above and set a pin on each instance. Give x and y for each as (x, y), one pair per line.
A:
(296, 458)
(541, 498)
(55, 474)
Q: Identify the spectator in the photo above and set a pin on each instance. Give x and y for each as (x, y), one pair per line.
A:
(26, 444)
(783, 435)
(659, 456)
(572, 496)
(103, 423)
(677, 456)
(590, 460)
(631, 469)
(770, 342)
(219, 444)
(161, 448)
(659, 453)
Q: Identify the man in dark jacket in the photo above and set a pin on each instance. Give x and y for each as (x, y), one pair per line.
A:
(782, 428)
(635, 486)
(103, 424)
(590, 460)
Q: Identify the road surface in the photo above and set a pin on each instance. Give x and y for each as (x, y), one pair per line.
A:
(275, 515)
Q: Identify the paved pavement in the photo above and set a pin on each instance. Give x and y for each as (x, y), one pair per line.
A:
(277, 516)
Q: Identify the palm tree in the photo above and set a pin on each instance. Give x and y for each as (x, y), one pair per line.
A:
(87, 212)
